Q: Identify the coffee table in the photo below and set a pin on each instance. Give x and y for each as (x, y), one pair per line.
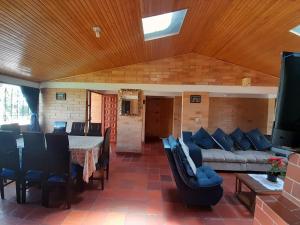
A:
(255, 188)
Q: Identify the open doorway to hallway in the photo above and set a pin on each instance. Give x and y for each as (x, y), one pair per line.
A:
(158, 117)
(102, 108)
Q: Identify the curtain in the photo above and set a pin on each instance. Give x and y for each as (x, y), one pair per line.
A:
(32, 97)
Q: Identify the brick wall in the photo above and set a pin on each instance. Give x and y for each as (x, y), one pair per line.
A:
(245, 113)
(71, 110)
(292, 180)
(190, 68)
(130, 132)
(194, 115)
(177, 108)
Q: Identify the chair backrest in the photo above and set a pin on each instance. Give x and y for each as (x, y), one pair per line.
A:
(104, 157)
(9, 153)
(77, 128)
(94, 129)
(13, 127)
(58, 154)
(60, 127)
(34, 152)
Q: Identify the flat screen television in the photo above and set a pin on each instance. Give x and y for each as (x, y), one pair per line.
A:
(286, 130)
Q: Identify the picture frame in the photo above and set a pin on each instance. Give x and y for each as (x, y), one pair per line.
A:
(195, 99)
(61, 96)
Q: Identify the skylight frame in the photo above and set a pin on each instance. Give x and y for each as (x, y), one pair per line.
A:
(295, 30)
(174, 28)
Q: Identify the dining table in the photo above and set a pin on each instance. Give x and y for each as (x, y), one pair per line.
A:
(84, 152)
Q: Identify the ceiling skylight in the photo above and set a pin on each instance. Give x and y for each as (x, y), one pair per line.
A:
(296, 30)
(163, 25)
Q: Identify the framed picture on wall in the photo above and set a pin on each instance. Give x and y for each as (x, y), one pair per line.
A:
(195, 99)
(61, 96)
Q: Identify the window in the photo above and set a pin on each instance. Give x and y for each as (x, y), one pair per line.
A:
(163, 25)
(13, 105)
(296, 30)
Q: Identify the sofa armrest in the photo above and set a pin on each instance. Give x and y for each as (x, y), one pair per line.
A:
(195, 153)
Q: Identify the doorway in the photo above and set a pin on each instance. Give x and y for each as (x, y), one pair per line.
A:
(158, 118)
(102, 108)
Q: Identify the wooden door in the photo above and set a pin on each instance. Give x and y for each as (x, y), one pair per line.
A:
(110, 110)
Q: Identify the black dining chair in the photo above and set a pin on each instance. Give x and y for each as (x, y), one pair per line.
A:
(9, 162)
(34, 157)
(58, 166)
(77, 129)
(13, 127)
(94, 129)
(102, 165)
(60, 127)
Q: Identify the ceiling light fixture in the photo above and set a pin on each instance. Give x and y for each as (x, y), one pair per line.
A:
(97, 31)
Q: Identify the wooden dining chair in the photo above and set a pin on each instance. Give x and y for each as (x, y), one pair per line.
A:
(9, 162)
(34, 156)
(77, 129)
(102, 165)
(60, 127)
(13, 127)
(58, 166)
(94, 129)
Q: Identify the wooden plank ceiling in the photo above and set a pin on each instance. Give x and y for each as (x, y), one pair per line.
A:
(44, 40)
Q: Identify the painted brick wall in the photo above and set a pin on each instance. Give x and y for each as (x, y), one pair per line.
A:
(292, 180)
(190, 68)
(194, 115)
(71, 110)
(245, 113)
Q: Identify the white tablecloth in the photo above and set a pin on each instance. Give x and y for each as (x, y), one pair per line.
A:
(262, 179)
(84, 152)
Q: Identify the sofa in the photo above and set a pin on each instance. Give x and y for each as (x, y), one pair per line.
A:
(235, 160)
(203, 189)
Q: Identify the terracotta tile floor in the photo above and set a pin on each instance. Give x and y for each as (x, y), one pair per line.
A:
(140, 191)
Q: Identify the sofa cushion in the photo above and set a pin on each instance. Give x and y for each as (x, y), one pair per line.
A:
(203, 139)
(223, 140)
(240, 139)
(252, 156)
(190, 165)
(259, 141)
(207, 177)
(187, 136)
(219, 155)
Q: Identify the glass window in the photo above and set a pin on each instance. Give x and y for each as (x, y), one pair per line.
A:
(13, 105)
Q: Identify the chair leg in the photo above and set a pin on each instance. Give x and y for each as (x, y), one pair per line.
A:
(45, 196)
(107, 171)
(68, 189)
(102, 182)
(24, 191)
(2, 188)
(18, 191)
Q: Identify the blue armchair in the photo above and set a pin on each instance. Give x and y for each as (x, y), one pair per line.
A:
(203, 189)
(195, 150)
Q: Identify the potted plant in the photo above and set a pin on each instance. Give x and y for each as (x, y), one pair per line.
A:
(277, 168)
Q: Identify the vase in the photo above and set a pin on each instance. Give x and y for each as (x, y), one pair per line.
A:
(272, 177)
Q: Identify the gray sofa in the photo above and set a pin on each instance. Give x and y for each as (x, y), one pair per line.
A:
(218, 159)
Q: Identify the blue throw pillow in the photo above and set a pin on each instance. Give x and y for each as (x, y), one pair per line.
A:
(240, 140)
(259, 141)
(203, 139)
(223, 140)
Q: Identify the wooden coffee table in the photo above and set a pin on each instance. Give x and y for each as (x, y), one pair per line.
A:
(247, 197)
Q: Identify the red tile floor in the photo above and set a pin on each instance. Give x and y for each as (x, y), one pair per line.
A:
(140, 191)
